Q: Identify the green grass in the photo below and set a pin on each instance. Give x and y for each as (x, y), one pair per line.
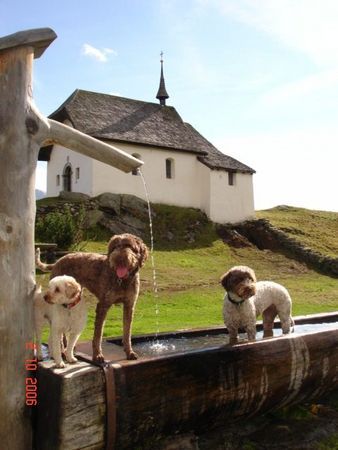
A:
(315, 229)
(180, 222)
(330, 443)
(53, 201)
(190, 295)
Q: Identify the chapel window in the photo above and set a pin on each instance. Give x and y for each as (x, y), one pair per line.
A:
(169, 168)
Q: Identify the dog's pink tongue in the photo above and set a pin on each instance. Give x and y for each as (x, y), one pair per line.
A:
(122, 271)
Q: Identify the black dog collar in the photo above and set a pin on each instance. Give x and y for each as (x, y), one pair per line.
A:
(234, 301)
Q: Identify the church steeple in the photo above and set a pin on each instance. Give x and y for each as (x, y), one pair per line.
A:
(162, 94)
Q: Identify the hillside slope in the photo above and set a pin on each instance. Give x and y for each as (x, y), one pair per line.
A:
(315, 229)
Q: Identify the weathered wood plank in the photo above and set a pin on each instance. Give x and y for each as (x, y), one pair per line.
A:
(71, 411)
(17, 211)
(178, 393)
(38, 38)
(210, 388)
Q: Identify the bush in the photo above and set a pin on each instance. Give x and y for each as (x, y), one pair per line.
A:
(57, 227)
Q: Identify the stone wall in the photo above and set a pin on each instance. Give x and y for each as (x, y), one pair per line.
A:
(117, 213)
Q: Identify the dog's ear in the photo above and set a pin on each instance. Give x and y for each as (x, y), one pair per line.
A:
(226, 280)
(111, 244)
(72, 289)
(143, 251)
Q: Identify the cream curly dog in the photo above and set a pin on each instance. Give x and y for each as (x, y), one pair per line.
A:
(64, 309)
(246, 298)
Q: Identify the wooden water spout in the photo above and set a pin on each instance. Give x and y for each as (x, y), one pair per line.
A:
(23, 130)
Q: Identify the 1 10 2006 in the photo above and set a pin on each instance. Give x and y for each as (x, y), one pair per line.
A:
(31, 365)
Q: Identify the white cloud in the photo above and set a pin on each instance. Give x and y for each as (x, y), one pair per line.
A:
(309, 26)
(97, 54)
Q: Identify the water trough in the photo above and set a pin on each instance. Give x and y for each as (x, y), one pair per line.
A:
(194, 386)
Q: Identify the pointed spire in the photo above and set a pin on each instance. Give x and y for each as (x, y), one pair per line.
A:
(162, 94)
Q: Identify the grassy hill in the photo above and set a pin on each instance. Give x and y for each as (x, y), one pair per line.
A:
(187, 273)
(315, 229)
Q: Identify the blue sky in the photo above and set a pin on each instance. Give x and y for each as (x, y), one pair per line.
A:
(258, 78)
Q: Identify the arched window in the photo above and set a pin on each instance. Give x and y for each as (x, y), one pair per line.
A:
(169, 168)
(67, 178)
(136, 171)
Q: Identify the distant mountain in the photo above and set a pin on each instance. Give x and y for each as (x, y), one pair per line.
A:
(39, 194)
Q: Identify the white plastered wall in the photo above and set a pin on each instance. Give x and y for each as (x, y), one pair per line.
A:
(231, 203)
(184, 189)
(193, 184)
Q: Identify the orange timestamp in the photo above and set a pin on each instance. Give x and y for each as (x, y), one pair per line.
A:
(31, 365)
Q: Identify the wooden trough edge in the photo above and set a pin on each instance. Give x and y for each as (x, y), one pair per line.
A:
(162, 396)
(215, 330)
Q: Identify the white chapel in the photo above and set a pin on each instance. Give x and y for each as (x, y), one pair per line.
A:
(180, 166)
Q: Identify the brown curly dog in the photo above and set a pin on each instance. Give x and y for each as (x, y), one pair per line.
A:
(112, 278)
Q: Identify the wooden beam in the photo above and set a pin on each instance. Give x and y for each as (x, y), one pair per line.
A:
(59, 133)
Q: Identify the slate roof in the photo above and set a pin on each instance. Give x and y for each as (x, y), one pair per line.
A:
(109, 117)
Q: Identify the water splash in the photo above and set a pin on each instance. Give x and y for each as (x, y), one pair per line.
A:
(158, 347)
(169, 345)
(155, 288)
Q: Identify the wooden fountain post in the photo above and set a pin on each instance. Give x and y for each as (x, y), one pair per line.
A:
(22, 132)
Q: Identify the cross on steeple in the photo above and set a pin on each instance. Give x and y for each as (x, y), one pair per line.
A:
(162, 93)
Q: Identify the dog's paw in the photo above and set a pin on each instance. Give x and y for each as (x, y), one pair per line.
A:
(132, 355)
(71, 359)
(60, 365)
(98, 358)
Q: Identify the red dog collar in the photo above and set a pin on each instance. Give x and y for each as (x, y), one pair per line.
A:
(74, 303)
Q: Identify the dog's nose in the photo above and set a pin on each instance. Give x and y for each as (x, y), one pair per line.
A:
(251, 290)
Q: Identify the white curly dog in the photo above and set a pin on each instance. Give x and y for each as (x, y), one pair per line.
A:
(63, 307)
(246, 298)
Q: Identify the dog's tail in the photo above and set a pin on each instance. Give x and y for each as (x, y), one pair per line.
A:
(40, 265)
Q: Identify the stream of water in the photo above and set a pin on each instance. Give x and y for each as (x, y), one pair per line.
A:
(155, 288)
